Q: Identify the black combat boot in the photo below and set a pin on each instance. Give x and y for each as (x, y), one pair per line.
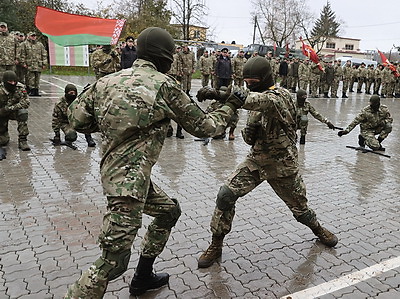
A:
(303, 139)
(361, 141)
(90, 140)
(381, 148)
(144, 279)
(326, 95)
(344, 96)
(179, 132)
(213, 252)
(170, 131)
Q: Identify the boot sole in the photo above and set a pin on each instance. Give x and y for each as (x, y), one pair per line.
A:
(138, 292)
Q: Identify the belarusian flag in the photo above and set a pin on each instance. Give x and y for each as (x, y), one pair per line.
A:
(66, 29)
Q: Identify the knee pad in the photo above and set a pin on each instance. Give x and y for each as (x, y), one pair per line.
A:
(226, 198)
(388, 128)
(168, 220)
(113, 264)
(22, 115)
(71, 136)
(306, 218)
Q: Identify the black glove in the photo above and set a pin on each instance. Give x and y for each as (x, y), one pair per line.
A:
(3, 153)
(330, 125)
(206, 93)
(57, 139)
(3, 111)
(237, 98)
(343, 132)
(107, 61)
(380, 139)
(250, 133)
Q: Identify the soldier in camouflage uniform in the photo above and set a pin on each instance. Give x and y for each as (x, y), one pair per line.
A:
(362, 77)
(354, 77)
(206, 67)
(315, 74)
(303, 108)
(271, 132)
(33, 57)
(20, 70)
(370, 79)
(347, 76)
(60, 119)
(375, 119)
(105, 61)
(237, 68)
(14, 105)
(378, 78)
(337, 76)
(132, 110)
(8, 50)
(304, 74)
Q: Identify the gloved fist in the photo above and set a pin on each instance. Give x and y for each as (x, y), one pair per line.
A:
(330, 125)
(206, 93)
(343, 132)
(250, 133)
(237, 97)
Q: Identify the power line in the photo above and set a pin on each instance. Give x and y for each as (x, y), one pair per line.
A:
(373, 25)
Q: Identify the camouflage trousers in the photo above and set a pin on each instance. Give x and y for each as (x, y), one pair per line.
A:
(21, 116)
(204, 80)
(186, 82)
(33, 79)
(4, 68)
(335, 87)
(303, 125)
(369, 135)
(303, 83)
(346, 83)
(120, 226)
(314, 85)
(69, 132)
(290, 189)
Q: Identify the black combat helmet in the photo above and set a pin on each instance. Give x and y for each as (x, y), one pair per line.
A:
(10, 76)
(258, 68)
(375, 102)
(301, 96)
(156, 45)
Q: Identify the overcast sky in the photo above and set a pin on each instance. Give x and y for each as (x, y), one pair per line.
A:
(375, 23)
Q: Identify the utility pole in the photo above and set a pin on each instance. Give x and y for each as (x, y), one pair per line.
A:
(257, 25)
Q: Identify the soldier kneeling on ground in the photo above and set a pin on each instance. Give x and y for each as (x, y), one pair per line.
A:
(60, 119)
(14, 105)
(374, 119)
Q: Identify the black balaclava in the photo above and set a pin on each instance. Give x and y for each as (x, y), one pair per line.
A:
(258, 68)
(70, 97)
(106, 49)
(157, 46)
(301, 97)
(375, 103)
(10, 76)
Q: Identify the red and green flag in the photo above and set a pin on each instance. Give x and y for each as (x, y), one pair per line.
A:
(387, 63)
(310, 53)
(67, 29)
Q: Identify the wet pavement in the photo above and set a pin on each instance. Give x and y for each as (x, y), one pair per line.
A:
(52, 206)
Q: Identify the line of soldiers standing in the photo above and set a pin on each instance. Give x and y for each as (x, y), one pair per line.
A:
(325, 79)
(27, 57)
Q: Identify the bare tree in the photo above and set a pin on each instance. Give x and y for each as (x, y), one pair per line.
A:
(281, 19)
(188, 12)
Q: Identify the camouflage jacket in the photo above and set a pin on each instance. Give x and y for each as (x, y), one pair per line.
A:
(206, 65)
(275, 150)
(14, 101)
(237, 66)
(302, 112)
(33, 55)
(174, 71)
(132, 109)
(60, 117)
(370, 120)
(104, 63)
(186, 63)
(347, 72)
(304, 71)
(8, 48)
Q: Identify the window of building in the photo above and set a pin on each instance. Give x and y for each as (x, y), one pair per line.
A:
(330, 45)
(196, 34)
(349, 47)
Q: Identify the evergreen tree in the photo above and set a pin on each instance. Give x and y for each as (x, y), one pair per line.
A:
(326, 26)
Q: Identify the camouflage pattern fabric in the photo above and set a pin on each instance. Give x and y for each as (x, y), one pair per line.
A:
(237, 69)
(132, 109)
(347, 75)
(371, 124)
(8, 48)
(186, 64)
(206, 67)
(304, 75)
(60, 118)
(272, 158)
(33, 56)
(103, 63)
(302, 119)
(16, 104)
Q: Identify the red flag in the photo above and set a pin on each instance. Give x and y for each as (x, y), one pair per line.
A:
(386, 62)
(310, 53)
(287, 51)
(67, 29)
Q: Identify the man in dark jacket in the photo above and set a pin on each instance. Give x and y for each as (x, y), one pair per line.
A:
(128, 55)
(283, 72)
(223, 69)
